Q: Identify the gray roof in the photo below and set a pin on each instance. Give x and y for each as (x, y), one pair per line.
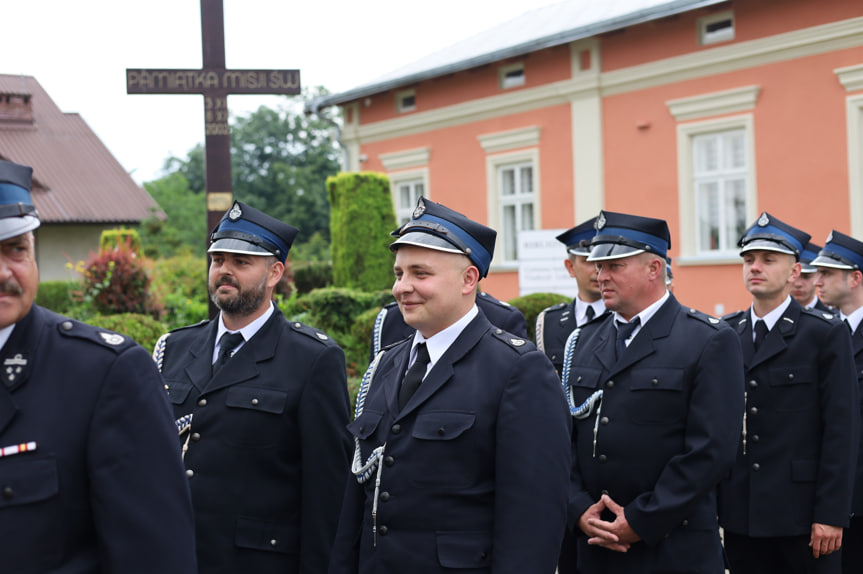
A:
(545, 27)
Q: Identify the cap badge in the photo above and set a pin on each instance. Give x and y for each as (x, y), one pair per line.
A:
(763, 221)
(235, 213)
(600, 221)
(420, 209)
(112, 338)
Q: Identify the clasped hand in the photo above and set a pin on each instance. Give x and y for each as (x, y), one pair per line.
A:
(616, 535)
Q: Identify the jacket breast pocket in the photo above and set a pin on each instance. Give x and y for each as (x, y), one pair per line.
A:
(178, 392)
(583, 383)
(659, 395)
(365, 425)
(27, 481)
(794, 387)
(267, 535)
(31, 512)
(255, 416)
(440, 441)
(442, 425)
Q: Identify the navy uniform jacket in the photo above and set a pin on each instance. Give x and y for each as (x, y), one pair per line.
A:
(798, 465)
(393, 327)
(475, 467)
(553, 327)
(668, 425)
(104, 491)
(857, 349)
(268, 451)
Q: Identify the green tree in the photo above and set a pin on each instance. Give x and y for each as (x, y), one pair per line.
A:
(185, 227)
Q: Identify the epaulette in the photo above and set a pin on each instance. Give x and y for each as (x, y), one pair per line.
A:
(732, 318)
(823, 315)
(312, 333)
(192, 326)
(555, 307)
(491, 299)
(517, 343)
(102, 337)
(390, 305)
(704, 318)
(397, 343)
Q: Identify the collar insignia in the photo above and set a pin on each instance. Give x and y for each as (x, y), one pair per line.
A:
(112, 338)
(12, 368)
(763, 221)
(321, 336)
(516, 342)
(235, 213)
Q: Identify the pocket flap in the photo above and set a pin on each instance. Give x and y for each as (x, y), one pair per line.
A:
(178, 392)
(28, 480)
(442, 425)
(583, 377)
(266, 400)
(261, 534)
(464, 549)
(365, 425)
(793, 375)
(657, 379)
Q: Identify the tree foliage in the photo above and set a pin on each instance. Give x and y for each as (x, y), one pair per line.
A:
(280, 160)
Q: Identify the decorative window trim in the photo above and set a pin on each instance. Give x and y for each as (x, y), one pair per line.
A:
(510, 139)
(405, 159)
(854, 118)
(685, 178)
(851, 77)
(707, 38)
(401, 177)
(502, 79)
(492, 164)
(714, 104)
(400, 97)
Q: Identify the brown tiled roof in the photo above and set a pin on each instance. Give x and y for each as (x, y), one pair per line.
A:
(75, 177)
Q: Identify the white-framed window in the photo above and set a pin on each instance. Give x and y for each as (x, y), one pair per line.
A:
(854, 111)
(406, 192)
(716, 28)
(406, 101)
(716, 173)
(513, 200)
(511, 76)
(719, 180)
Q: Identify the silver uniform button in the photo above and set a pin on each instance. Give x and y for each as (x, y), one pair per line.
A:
(190, 473)
(254, 401)
(202, 403)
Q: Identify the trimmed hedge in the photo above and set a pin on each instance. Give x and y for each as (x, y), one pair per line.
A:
(313, 275)
(361, 218)
(57, 295)
(531, 306)
(142, 328)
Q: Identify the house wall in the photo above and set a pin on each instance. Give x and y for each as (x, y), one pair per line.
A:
(57, 245)
(793, 76)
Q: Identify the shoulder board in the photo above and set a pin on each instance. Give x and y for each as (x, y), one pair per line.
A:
(704, 318)
(556, 307)
(396, 344)
(517, 343)
(734, 317)
(823, 315)
(102, 337)
(491, 299)
(312, 333)
(192, 326)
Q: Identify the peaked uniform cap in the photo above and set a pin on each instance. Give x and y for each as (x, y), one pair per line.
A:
(17, 213)
(435, 226)
(810, 252)
(577, 239)
(769, 233)
(622, 235)
(246, 230)
(840, 252)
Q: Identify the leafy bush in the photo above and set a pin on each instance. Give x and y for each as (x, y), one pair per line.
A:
(313, 275)
(116, 238)
(333, 309)
(57, 295)
(142, 328)
(531, 305)
(116, 281)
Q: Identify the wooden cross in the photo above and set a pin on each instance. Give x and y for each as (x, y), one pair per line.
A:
(214, 82)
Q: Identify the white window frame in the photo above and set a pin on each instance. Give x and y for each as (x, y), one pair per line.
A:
(686, 134)
(854, 112)
(507, 83)
(706, 38)
(400, 97)
(494, 165)
(411, 177)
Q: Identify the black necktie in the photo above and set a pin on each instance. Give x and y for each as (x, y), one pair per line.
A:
(414, 376)
(227, 344)
(761, 331)
(848, 324)
(624, 331)
(589, 314)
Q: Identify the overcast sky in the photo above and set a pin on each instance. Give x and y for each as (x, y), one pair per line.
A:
(79, 51)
